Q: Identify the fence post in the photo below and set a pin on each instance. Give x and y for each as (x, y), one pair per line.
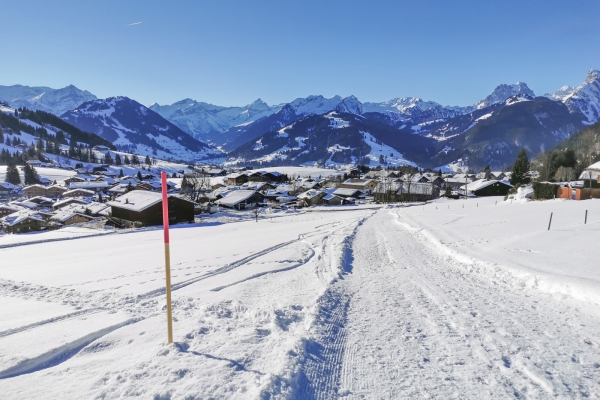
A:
(585, 222)
(550, 223)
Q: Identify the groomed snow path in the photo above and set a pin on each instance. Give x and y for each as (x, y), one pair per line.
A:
(408, 320)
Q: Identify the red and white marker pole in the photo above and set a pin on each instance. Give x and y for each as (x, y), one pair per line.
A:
(165, 204)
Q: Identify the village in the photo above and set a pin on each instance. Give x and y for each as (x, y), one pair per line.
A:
(102, 196)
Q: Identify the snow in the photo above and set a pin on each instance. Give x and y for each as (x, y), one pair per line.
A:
(450, 299)
(337, 122)
(303, 172)
(394, 157)
(54, 174)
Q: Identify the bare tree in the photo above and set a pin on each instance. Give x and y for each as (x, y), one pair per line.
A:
(194, 184)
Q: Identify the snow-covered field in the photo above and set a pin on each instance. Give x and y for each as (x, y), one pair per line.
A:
(428, 301)
(55, 174)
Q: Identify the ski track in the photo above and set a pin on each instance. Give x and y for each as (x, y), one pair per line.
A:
(139, 307)
(403, 319)
(410, 321)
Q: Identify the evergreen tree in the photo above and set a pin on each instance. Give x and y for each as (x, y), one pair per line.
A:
(31, 175)
(520, 170)
(129, 187)
(448, 192)
(118, 159)
(12, 174)
(121, 174)
(147, 161)
(126, 161)
(135, 160)
(1, 136)
(139, 176)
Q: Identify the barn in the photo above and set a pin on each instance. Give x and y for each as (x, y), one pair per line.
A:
(485, 187)
(143, 208)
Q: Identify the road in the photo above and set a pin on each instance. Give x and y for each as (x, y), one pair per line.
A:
(408, 320)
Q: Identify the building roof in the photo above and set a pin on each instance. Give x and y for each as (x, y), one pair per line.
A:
(89, 185)
(136, 200)
(595, 166)
(235, 197)
(359, 183)
(18, 217)
(482, 183)
(345, 192)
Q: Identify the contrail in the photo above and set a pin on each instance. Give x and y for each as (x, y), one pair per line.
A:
(135, 23)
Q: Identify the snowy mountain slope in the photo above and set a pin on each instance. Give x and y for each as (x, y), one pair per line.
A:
(207, 121)
(586, 98)
(133, 127)
(55, 101)
(332, 139)
(503, 92)
(494, 135)
(561, 93)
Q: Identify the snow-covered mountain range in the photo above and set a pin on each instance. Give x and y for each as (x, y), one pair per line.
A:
(55, 101)
(179, 130)
(135, 128)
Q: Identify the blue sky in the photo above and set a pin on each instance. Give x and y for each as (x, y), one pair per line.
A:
(231, 52)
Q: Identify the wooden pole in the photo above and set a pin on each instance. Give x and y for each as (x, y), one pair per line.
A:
(585, 222)
(165, 203)
(550, 223)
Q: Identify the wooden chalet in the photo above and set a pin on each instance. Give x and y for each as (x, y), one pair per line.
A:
(143, 208)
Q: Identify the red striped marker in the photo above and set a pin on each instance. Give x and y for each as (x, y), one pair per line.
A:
(165, 204)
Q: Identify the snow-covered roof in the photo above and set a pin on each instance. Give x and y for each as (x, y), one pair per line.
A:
(345, 192)
(359, 183)
(136, 200)
(235, 197)
(482, 183)
(15, 218)
(68, 200)
(309, 194)
(89, 185)
(590, 174)
(595, 166)
(7, 185)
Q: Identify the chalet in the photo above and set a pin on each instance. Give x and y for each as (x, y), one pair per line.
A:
(7, 209)
(45, 181)
(365, 185)
(311, 198)
(23, 221)
(417, 191)
(34, 190)
(78, 193)
(35, 163)
(331, 199)
(241, 199)
(55, 191)
(216, 172)
(142, 208)
(69, 218)
(66, 201)
(345, 193)
(96, 186)
(6, 189)
(42, 201)
(236, 179)
(484, 187)
(93, 209)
